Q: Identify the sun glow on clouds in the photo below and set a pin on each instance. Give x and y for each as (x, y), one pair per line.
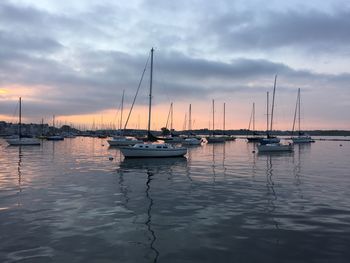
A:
(14, 91)
(3, 91)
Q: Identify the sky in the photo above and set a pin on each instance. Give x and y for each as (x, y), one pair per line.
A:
(73, 59)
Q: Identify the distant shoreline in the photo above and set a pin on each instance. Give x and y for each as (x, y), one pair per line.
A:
(7, 129)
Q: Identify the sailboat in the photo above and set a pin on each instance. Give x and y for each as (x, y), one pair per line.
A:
(149, 150)
(255, 137)
(122, 140)
(20, 140)
(191, 139)
(269, 138)
(173, 138)
(272, 144)
(54, 137)
(302, 137)
(213, 138)
(226, 137)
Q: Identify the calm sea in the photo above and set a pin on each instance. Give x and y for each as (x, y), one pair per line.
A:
(68, 202)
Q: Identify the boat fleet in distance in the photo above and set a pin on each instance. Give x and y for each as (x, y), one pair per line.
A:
(168, 147)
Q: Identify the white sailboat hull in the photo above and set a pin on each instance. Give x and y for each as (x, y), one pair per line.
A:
(149, 151)
(23, 141)
(275, 147)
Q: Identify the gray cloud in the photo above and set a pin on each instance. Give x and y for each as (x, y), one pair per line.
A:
(82, 61)
(320, 30)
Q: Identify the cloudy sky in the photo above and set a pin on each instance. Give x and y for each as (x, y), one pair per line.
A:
(73, 59)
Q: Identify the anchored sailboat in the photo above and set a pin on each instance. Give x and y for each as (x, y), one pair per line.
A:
(213, 138)
(149, 150)
(20, 140)
(269, 138)
(302, 137)
(54, 137)
(191, 139)
(172, 138)
(255, 137)
(272, 144)
(122, 140)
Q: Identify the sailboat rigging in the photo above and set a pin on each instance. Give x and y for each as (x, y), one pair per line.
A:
(21, 140)
(191, 139)
(272, 144)
(269, 138)
(255, 137)
(213, 138)
(121, 139)
(149, 149)
(302, 137)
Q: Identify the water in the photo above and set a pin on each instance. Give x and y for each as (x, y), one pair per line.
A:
(67, 202)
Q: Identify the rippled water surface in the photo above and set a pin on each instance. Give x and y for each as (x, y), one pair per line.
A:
(67, 202)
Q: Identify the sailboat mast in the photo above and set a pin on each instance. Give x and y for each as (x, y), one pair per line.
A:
(189, 119)
(267, 113)
(273, 102)
(150, 94)
(20, 118)
(224, 117)
(254, 118)
(171, 116)
(121, 112)
(213, 118)
(299, 109)
(42, 126)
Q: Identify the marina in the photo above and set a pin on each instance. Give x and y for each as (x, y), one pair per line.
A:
(176, 132)
(219, 201)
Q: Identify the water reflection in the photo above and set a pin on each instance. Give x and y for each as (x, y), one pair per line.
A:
(297, 171)
(213, 160)
(156, 164)
(148, 222)
(19, 166)
(271, 193)
(152, 167)
(224, 158)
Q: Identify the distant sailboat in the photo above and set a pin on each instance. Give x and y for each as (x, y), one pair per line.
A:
(302, 137)
(173, 138)
(226, 137)
(149, 150)
(213, 138)
(269, 138)
(191, 139)
(122, 140)
(54, 137)
(255, 137)
(20, 140)
(272, 144)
